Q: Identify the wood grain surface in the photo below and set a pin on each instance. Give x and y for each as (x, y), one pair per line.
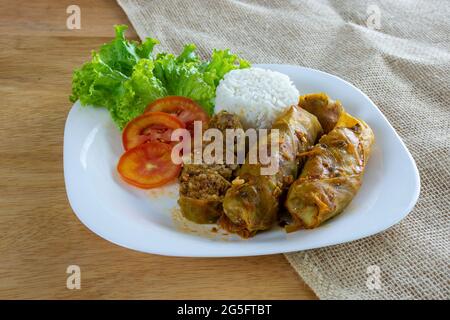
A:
(39, 234)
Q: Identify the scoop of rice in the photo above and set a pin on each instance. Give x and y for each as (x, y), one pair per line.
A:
(256, 95)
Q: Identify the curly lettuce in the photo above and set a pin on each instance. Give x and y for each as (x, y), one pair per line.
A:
(125, 76)
(137, 92)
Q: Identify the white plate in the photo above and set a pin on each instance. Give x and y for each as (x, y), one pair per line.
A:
(143, 220)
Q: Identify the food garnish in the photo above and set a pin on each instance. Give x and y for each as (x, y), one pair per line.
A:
(153, 126)
(185, 109)
(125, 76)
(148, 165)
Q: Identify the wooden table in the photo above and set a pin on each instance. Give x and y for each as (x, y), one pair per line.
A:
(39, 234)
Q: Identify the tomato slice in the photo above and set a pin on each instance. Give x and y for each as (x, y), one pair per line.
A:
(155, 126)
(183, 108)
(148, 165)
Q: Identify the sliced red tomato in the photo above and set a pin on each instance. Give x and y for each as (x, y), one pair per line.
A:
(155, 126)
(148, 165)
(183, 108)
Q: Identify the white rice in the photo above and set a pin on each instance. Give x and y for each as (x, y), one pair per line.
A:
(256, 95)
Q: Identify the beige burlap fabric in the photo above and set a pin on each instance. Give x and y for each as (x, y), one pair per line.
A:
(397, 52)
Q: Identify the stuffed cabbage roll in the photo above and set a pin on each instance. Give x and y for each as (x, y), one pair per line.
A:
(332, 174)
(325, 109)
(252, 203)
(203, 186)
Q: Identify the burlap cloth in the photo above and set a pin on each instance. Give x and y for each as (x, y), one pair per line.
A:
(404, 67)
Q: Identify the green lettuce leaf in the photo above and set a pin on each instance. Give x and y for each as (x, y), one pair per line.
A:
(185, 75)
(188, 54)
(182, 77)
(122, 55)
(141, 89)
(125, 76)
(222, 62)
(95, 83)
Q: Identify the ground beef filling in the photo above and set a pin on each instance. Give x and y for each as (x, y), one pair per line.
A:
(207, 185)
(225, 120)
(191, 170)
(210, 181)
